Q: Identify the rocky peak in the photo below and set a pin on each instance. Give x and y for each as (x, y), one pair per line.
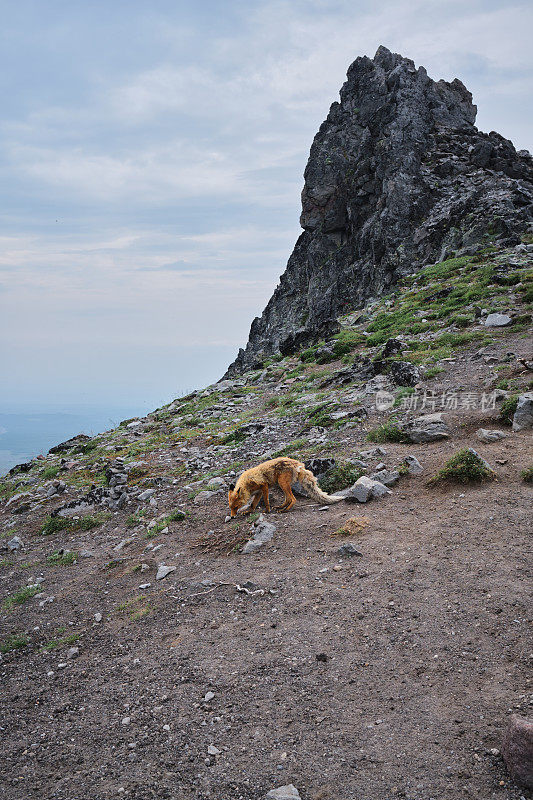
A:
(398, 176)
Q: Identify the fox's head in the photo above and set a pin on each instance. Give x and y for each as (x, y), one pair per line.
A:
(235, 499)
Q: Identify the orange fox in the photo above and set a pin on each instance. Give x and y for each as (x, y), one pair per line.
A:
(283, 472)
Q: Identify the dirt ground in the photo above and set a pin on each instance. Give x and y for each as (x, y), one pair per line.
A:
(386, 675)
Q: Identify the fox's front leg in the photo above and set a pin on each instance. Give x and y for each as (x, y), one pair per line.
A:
(255, 503)
(264, 490)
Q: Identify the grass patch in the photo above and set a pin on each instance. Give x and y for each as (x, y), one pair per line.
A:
(319, 416)
(136, 608)
(296, 445)
(137, 518)
(61, 558)
(405, 391)
(20, 597)
(53, 525)
(14, 641)
(339, 477)
(235, 437)
(272, 402)
(508, 409)
(432, 372)
(86, 523)
(387, 432)
(53, 644)
(464, 467)
(527, 474)
(49, 473)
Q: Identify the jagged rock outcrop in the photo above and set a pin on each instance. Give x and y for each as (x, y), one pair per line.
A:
(398, 177)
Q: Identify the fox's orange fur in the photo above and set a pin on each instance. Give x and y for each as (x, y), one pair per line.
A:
(254, 484)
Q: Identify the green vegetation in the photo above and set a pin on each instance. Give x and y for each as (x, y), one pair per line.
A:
(49, 473)
(527, 474)
(508, 408)
(136, 608)
(405, 391)
(339, 477)
(13, 641)
(137, 518)
(464, 467)
(53, 525)
(53, 644)
(62, 558)
(86, 523)
(20, 597)
(235, 437)
(387, 432)
(320, 416)
(432, 372)
(272, 402)
(290, 449)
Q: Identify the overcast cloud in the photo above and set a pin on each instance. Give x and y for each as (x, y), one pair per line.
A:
(152, 160)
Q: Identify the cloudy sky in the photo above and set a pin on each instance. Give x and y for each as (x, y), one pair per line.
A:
(151, 165)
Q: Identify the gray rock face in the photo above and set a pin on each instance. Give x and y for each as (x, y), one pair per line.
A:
(163, 570)
(497, 320)
(487, 436)
(398, 177)
(288, 792)
(523, 416)
(517, 750)
(414, 467)
(427, 428)
(15, 543)
(363, 490)
(263, 532)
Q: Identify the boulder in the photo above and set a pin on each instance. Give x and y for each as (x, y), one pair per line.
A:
(15, 543)
(403, 373)
(76, 441)
(414, 467)
(392, 348)
(288, 792)
(163, 570)
(426, 428)
(517, 750)
(348, 550)
(523, 416)
(497, 320)
(487, 436)
(363, 490)
(263, 532)
(386, 476)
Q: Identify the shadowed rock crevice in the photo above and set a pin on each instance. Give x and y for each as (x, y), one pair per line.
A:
(398, 176)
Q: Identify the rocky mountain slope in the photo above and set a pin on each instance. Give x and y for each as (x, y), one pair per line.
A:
(372, 649)
(398, 177)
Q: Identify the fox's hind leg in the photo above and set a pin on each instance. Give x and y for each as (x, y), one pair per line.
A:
(285, 483)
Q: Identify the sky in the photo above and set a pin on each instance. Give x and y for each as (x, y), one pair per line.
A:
(151, 165)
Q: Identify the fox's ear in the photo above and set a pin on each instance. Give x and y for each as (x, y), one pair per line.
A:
(231, 487)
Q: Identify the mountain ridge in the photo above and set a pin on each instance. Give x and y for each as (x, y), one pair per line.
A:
(398, 176)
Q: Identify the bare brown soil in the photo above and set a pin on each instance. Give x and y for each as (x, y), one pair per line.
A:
(390, 675)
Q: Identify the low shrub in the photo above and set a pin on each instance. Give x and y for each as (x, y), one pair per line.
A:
(508, 408)
(339, 477)
(466, 466)
(387, 432)
(527, 474)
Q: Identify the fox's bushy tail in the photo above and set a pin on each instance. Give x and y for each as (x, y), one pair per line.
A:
(309, 483)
